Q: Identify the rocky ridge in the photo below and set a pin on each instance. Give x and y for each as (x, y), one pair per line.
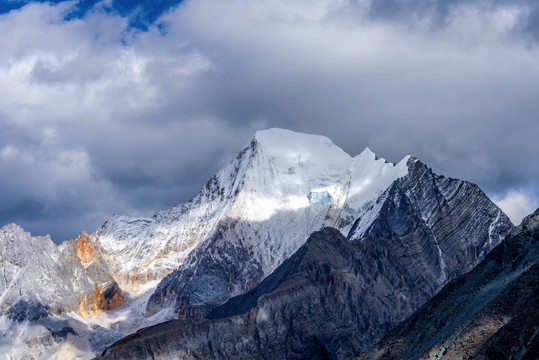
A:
(59, 279)
(44, 289)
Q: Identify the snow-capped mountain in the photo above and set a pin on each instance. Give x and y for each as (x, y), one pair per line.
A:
(246, 221)
(432, 227)
(259, 209)
(283, 185)
(281, 182)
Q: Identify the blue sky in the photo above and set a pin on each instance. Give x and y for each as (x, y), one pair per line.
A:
(129, 107)
(141, 14)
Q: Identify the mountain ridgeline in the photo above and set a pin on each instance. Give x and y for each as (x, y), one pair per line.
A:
(234, 259)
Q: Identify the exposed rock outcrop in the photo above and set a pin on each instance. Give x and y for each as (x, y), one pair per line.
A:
(37, 274)
(490, 313)
(106, 293)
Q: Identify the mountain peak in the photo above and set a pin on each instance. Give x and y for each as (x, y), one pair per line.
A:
(367, 152)
(12, 228)
(288, 144)
(15, 232)
(278, 136)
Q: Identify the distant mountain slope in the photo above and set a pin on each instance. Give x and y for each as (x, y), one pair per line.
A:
(44, 289)
(35, 271)
(490, 313)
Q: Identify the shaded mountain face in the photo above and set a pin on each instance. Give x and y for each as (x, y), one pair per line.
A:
(492, 312)
(330, 300)
(309, 307)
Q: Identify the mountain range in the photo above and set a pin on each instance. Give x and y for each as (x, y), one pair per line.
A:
(387, 237)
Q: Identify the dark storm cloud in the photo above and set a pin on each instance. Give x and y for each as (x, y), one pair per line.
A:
(21, 209)
(440, 12)
(530, 23)
(97, 118)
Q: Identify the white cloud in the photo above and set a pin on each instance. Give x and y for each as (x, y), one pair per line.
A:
(9, 152)
(140, 120)
(517, 204)
(12, 154)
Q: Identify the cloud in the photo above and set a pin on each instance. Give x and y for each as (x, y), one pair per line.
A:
(456, 93)
(517, 204)
(98, 117)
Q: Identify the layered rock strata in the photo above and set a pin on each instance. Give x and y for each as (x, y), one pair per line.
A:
(490, 313)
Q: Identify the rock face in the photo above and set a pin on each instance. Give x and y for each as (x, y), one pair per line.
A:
(106, 294)
(491, 312)
(40, 284)
(445, 225)
(34, 271)
(330, 300)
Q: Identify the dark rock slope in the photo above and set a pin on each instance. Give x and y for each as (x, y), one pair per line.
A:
(490, 313)
(330, 300)
(308, 308)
